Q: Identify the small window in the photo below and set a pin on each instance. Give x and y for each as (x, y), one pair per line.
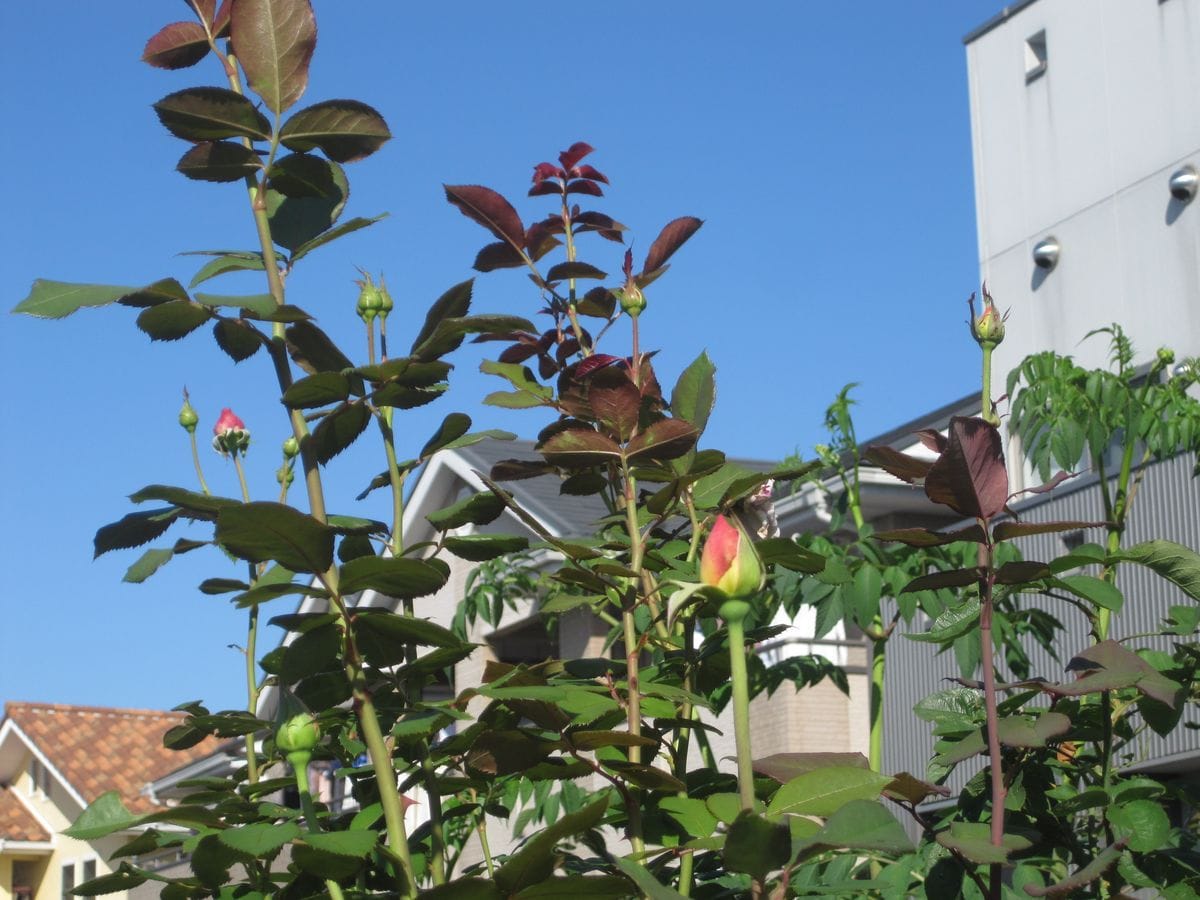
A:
(68, 881)
(89, 869)
(1035, 56)
(39, 778)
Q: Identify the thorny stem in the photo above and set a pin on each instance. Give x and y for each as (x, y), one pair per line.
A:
(996, 773)
(381, 759)
(299, 761)
(569, 235)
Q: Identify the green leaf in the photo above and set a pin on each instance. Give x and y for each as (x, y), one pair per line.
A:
(951, 624)
(262, 305)
(133, 530)
(192, 503)
(398, 577)
(1143, 822)
(646, 883)
(1094, 590)
(695, 392)
(454, 303)
(449, 333)
(339, 430)
(384, 638)
(599, 887)
(482, 547)
(823, 791)
(311, 652)
(223, 264)
(211, 114)
(344, 130)
(1086, 875)
(1018, 731)
(1174, 562)
(172, 320)
(320, 389)
(325, 865)
(295, 221)
(261, 593)
(274, 41)
(123, 879)
(259, 839)
(57, 299)
(478, 509)
(349, 227)
(313, 350)
(239, 340)
(864, 825)
(466, 889)
(691, 814)
(263, 531)
(535, 861)
(756, 846)
(302, 175)
(103, 817)
(783, 767)
(219, 161)
(453, 427)
(149, 563)
(973, 840)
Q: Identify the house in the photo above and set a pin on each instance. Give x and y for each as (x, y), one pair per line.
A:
(54, 761)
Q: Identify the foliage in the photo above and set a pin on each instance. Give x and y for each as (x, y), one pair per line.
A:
(604, 765)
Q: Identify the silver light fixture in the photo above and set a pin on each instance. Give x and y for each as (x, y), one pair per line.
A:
(1184, 183)
(1046, 252)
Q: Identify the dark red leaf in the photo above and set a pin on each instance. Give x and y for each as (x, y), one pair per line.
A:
(547, 367)
(588, 172)
(665, 439)
(566, 270)
(489, 209)
(615, 400)
(573, 154)
(516, 469)
(1006, 530)
(517, 353)
(597, 220)
(670, 239)
(1048, 486)
(500, 255)
(932, 439)
(544, 170)
(594, 362)
(952, 578)
(905, 467)
(579, 447)
(969, 477)
(177, 46)
(583, 186)
(540, 240)
(923, 537)
(599, 302)
(222, 19)
(1021, 572)
(543, 188)
(203, 8)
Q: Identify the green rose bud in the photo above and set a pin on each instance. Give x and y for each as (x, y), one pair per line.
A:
(300, 733)
(988, 327)
(291, 448)
(1164, 357)
(633, 301)
(187, 415)
(385, 299)
(370, 302)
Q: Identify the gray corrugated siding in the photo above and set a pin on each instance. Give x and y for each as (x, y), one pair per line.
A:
(1167, 506)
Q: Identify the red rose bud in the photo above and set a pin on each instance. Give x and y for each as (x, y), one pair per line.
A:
(230, 435)
(729, 561)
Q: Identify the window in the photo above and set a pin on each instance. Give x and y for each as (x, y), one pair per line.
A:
(89, 870)
(39, 777)
(1035, 56)
(68, 881)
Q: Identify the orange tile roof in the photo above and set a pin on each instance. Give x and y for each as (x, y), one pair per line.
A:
(99, 749)
(16, 822)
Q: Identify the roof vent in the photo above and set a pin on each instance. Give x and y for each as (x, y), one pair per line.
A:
(1046, 252)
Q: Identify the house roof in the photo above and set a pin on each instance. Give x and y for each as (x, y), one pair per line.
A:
(16, 822)
(97, 749)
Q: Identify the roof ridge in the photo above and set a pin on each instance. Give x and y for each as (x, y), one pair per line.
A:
(114, 711)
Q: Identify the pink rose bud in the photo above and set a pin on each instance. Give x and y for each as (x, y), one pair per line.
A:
(729, 561)
(230, 435)
(988, 326)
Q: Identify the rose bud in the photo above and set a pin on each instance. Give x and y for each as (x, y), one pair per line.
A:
(729, 561)
(369, 300)
(300, 733)
(230, 435)
(291, 448)
(187, 416)
(988, 326)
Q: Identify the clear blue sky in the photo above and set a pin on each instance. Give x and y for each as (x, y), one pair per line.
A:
(826, 145)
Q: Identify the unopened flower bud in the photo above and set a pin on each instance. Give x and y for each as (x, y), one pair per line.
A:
(633, 301)
(298, 733)
(291, 447)
(187, 415)
(230, 435)
(1164, 357)
(988, 326)
(729, 561)
(385, 299)
(369, 299)
(284, 475)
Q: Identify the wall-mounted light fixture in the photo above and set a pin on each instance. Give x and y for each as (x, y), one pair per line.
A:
(1046, 252)
(1183, 183)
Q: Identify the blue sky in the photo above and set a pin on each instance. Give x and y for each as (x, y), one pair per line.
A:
(827, 147)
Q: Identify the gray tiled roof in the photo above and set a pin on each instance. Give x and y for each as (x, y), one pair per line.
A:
(566, 514)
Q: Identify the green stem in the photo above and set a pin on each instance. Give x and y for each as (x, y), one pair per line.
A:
(299, 761)
(734, 613)
(251, 645)
(878, 668)
(396, 479)
(437, 852)
(987, 653)
(989, 413)
(196, 463)
(483, 844)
